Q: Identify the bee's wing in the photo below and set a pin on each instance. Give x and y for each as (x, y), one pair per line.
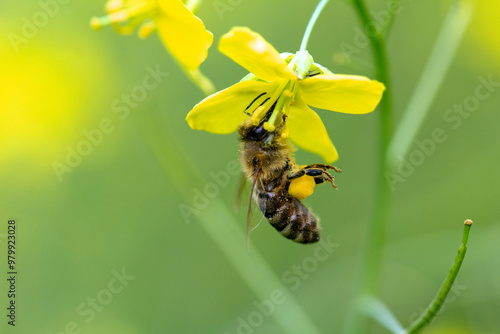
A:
(239, 193)
(249, 214)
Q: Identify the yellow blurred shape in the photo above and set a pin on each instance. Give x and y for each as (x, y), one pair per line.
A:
(39, 106)
(485, 27)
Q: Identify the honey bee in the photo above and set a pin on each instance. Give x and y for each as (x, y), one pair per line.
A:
(267, 162)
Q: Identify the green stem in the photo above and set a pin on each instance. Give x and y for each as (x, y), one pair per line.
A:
(311, 23)
(433, 309)
(371, 256)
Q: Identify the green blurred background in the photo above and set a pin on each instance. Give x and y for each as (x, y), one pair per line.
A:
(118, 208)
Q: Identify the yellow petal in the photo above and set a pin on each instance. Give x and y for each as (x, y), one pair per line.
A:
(223, 111)
(350, 94)
(308, 132)
(183, 34)
(254, 53)
(302, 187)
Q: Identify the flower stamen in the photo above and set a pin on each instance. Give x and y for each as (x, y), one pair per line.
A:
(285, 133)
(283, 98)
(268, 103)
(288, 93)
(256, 115)
(300, 65)
(118, 14)
(269, 127)
(146, 29)
(114, 5)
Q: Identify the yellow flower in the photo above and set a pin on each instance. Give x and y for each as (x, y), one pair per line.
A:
(183, 34)
(287, 83)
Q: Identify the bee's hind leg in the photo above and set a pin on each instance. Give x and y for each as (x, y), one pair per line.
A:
(322, 166)
(318, 171)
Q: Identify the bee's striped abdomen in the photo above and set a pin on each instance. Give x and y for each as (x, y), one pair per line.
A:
(289, 216)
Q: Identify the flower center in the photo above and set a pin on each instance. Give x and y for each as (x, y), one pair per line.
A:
(274, 106)
(284, 96)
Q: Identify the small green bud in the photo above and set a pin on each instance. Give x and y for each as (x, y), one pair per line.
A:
(303, 63)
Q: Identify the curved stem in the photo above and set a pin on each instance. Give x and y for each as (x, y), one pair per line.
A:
(371, 256)
(440, 298)
(311, 23)
(376, 233)
(377, 40)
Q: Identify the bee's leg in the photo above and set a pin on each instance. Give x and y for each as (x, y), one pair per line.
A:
(323, 167)
(319, 181)
(314, 172)
(325, 176)
(320, 175)
(300, 173)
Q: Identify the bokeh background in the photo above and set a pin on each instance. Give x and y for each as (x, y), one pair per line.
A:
(118, 208)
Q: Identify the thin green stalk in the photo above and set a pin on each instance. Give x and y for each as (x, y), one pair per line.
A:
(311, 23)
(445, 48)
(371, 256)
(434, 307)
(372, 252)
(219, 223)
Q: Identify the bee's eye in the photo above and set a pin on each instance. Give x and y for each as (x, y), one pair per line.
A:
(258, 133)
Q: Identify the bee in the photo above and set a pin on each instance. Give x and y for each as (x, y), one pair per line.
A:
(267, 162)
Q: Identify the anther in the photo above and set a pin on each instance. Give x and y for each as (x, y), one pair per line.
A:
(114, 5)
(285, 133)
(269, 127)
(97, 22)
(147, 29)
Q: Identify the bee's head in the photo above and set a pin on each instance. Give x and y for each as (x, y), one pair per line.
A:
(250, 132)
(257, 133)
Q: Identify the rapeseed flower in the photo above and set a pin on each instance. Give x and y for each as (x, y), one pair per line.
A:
(182, 33)
(288, 83)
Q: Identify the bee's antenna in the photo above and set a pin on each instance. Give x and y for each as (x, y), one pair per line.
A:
(258, 97)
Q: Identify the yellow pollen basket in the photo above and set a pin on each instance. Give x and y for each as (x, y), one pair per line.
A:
(302, 187)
